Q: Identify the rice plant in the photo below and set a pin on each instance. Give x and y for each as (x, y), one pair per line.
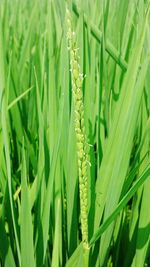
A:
(74, 133)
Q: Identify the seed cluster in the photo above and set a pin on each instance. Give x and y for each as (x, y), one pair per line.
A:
(77, 80)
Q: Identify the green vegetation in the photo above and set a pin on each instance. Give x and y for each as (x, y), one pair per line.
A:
(74, 133)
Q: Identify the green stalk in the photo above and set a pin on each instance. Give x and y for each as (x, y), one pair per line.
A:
(98, 35)
(77, 79)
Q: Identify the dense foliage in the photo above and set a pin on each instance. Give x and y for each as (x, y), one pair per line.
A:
(41, 212)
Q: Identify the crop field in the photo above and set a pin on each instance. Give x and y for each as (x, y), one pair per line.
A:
(74, 133)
